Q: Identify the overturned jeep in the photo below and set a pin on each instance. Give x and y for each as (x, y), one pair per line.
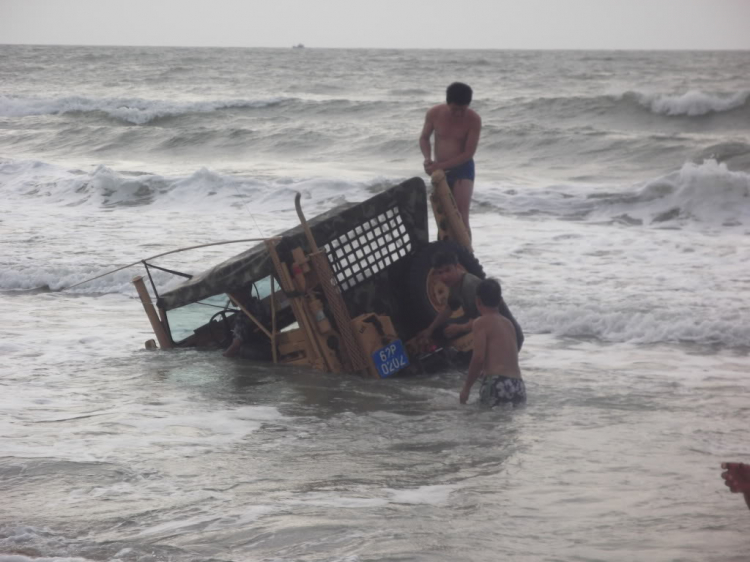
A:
(348, 291)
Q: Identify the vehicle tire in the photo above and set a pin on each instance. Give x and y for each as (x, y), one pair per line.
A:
(423, 301)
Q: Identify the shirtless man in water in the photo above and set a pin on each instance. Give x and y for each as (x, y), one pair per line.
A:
(495, 356)
(456, 129)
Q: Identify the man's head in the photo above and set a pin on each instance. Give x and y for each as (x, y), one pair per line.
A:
(458, 97)
(445, 265)
(489, 294)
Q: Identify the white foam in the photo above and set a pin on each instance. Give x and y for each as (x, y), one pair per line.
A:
(210, 523)
(430, 495)
(26, 538)
(22, 558)
(619, 325)
(692, 103)
(132, 110)
(60, 277)
(327, 500)
(139, 429)
(708, 192)
(204, 189)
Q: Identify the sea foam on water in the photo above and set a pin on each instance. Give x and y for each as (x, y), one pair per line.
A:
(616, 222)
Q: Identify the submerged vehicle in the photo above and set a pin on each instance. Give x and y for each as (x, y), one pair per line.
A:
(348, 291)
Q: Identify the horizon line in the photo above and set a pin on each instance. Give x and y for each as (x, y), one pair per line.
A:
(305, 47)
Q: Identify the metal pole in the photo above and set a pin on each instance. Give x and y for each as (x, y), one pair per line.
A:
(247, 313)
(273, 319)
(353, 357)
(161, 334)
(298, 307)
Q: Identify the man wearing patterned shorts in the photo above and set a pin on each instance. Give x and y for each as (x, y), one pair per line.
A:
(495, 356)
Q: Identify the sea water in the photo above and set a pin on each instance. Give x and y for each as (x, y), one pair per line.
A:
(612, 201)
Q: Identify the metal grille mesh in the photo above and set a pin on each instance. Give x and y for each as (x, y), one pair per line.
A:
(369, 248)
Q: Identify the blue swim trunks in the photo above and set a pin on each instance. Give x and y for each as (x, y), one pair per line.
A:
(463, 171)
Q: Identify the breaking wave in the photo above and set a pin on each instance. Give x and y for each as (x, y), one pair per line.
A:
(706, 193)
(721, 327)
(57, 278)
(139, 111)
(727, 330)
(692, 103)
(131, 110)
(204, 188)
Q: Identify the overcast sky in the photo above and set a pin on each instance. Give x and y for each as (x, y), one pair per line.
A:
(463, 24)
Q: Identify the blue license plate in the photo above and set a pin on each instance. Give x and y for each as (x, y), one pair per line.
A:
(390, 359)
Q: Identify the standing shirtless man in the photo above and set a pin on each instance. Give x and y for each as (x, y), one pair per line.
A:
(456, 130)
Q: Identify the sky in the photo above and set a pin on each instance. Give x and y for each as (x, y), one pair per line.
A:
(399, 24)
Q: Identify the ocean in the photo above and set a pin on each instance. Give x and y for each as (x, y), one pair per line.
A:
(612, 201)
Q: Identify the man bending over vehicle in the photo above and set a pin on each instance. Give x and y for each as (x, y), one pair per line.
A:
(463, 293)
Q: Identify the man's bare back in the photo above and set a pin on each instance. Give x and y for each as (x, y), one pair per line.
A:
(501, 357)
(495, 353)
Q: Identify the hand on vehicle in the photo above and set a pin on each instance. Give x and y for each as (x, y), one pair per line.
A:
(424, 340)
(453, 330)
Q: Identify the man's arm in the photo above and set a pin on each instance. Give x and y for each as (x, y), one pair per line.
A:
(441, 318)
(424, 138)
(477, 359)
(452, 330)
(472, 141)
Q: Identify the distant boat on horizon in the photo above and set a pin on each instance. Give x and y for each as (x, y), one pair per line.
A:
(298, 46)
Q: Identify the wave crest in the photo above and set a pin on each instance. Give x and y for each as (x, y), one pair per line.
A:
(640, 327)
(707, 193)
(692, 103)
(131, 110)
(205, 188)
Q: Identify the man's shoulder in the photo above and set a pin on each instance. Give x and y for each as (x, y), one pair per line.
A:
(437, 110)
(481, 323)
(491, 323)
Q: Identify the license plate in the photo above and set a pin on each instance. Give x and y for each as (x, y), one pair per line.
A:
(390, 359)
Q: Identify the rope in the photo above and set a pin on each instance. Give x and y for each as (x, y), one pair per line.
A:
(168, 253)
(248, 209)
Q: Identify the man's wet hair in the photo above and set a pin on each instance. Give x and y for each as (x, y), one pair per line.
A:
(490, 293)
(458, 93)
(442, 259)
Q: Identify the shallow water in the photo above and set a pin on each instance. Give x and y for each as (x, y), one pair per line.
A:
(186, 456)
(617, 223)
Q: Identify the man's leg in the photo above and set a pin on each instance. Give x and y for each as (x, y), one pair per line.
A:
(462, 192)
